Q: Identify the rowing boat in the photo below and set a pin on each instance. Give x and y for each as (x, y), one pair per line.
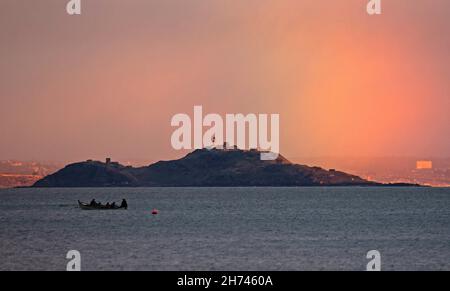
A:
(86, 206)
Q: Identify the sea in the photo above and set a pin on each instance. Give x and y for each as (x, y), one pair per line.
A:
(227, 229)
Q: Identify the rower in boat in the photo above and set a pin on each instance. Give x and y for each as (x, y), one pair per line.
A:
(124, 204)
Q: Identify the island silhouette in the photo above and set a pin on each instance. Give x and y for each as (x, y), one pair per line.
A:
(203, 168)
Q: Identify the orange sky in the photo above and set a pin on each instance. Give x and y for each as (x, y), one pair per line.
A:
(107, 83)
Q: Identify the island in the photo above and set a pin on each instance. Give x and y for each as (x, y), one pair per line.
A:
(202, 168)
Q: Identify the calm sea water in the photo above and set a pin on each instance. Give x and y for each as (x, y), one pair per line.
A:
(227, 229)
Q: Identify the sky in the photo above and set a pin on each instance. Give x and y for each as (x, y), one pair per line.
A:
(107, 83)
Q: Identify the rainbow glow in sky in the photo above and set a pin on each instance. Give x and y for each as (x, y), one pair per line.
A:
(107, 83)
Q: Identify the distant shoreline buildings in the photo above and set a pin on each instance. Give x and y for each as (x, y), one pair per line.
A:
(424, 165)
